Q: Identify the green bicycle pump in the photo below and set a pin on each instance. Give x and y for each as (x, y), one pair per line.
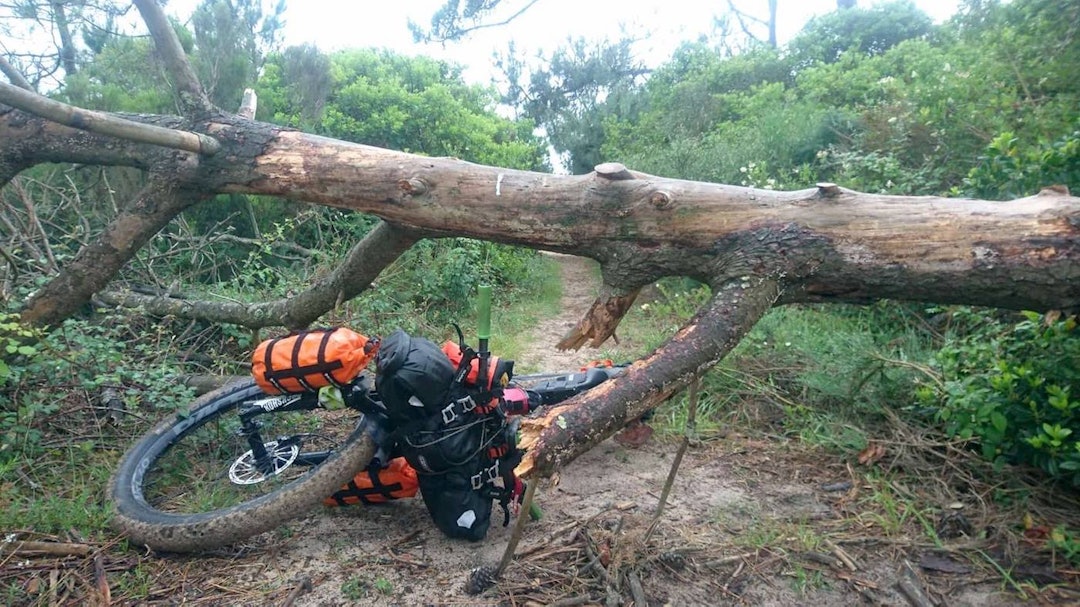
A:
(483, 336)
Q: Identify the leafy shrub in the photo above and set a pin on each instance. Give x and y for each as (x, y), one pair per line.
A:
(56, 372)
(434, 284)
(1009, 169)
(1010, 388)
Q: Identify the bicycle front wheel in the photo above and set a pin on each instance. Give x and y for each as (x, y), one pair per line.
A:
(198, 480)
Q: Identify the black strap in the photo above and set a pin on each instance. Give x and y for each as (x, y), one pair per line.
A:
(268, 375)
(361, 493)
(467, 356)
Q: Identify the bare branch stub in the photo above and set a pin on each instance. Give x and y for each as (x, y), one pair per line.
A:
(600, 322)
(248, 104)
(613, 171)
(828, 189)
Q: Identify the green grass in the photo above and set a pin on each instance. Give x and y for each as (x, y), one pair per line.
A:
(512, 320)
(823, 374)
(52, 495)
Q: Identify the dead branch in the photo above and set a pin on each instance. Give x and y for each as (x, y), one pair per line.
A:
(14, 75)
(106, 124)
(193, 99)
(31, 548)
(566, 431)
(689, 432)
(378, 249)
(95, 265)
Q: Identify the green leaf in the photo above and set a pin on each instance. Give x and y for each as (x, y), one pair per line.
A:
(998, 421)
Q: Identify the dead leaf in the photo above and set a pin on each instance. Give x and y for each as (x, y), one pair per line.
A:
(871, 454)
(634, 435)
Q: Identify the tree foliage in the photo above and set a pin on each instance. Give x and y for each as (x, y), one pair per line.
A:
(572, 92)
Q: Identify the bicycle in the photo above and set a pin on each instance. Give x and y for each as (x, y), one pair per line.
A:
(240, 462)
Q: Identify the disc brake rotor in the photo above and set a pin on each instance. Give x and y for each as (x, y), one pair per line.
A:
(245, 470)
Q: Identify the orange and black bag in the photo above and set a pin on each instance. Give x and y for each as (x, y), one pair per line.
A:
(308, 360)
(499, 371)
(377, 484)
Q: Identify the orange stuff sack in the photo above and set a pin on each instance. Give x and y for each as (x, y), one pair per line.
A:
(308, 360)
(377, 484)
(499, 374)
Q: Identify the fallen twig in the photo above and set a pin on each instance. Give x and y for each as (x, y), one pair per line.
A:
(912, 589)
(841, 554)
(301, 588)
(29, 548)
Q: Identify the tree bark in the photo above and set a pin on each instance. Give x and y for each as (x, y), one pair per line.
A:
(106, 124)
(830, 244)
(378, 249)
(29, 140)
(572, 428)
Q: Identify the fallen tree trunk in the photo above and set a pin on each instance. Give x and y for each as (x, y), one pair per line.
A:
(827, 243)
(821, 244)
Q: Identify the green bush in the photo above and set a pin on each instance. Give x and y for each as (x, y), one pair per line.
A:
(1009, 387)
(434, 284)
(47, 375)
(1010, 169)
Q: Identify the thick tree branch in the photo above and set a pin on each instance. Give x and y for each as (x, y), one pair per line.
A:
(193, 99)
(831, 244)
(106, 124)
(568, 430)
(96, 264)
(67, 48)
(29, 140)
(378, 249)
(14, 75)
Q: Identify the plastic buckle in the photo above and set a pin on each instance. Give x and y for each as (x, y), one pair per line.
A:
(467, 403)
(478, 479)
(448, 414)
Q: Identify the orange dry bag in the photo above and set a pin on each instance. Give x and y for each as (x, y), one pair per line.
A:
(499, 371)
(377, 484)
(309, 360)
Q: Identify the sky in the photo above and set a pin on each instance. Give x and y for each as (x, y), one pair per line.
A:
(659, 25)
(336, 24)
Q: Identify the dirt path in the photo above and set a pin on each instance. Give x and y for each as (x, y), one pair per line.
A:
(750, 522)
(580, 285)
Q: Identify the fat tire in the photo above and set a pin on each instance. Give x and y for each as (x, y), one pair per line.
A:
(171, 532)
